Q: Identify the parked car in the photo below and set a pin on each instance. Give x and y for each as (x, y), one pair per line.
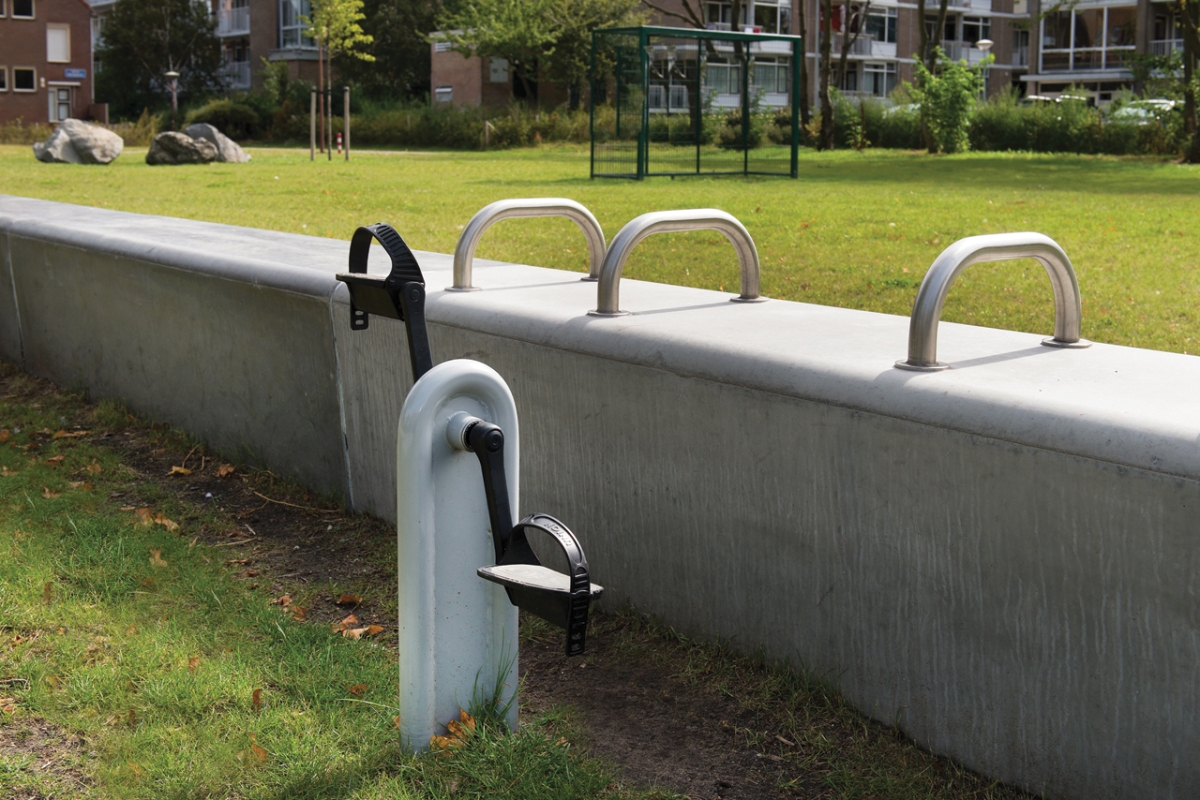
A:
(1143, 112)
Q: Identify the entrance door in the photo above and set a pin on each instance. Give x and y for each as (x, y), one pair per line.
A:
(60, 103)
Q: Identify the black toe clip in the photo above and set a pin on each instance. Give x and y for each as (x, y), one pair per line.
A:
(401, 295)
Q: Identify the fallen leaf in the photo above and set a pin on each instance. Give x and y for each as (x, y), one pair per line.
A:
(180, 471)
(285, 600)
(396, 722)
(5, 435)
(466, 719)
(225, 470)
(257, 754)
(349, 600)
(9, 709)
(256, 701)
(374, 629)
(54, 461)
(71, 435)
(193, 662)
(251, 574)
(444, 742)
(94, 468)
(299, 612)
(49, 495)
(348, 622)
(354, 633)
(358, 689)
(5, 471)
(156, 559)
(161, 519)
(87, 487)
(145, 516)
(48, 593)
(237, 561)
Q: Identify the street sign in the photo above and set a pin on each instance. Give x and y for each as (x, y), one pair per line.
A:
(75, 74)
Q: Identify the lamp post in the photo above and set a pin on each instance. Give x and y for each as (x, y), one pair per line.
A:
(174, 76)
(985, 45)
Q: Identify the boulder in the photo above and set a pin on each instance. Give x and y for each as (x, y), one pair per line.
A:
(227, 149)
(179, 148)
(77, 142)
(57, 149)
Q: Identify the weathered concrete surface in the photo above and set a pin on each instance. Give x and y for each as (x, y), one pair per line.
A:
(1001, 558)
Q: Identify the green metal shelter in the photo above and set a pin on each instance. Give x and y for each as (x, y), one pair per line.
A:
(683, 101)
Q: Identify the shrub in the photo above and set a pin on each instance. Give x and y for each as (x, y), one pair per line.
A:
(235, 120)
(947, 99)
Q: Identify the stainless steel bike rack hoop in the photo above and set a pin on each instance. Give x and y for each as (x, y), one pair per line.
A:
(697, 219)
(464, 251)
(931, 297)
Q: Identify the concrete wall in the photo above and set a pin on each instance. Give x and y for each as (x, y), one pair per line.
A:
(1000, 558)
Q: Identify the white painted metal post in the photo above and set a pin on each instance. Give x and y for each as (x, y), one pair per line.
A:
(458, 633)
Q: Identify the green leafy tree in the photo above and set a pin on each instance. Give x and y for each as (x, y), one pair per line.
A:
(1189, 21)
(146, 39)
(401, 66)
(572, 23)
(947, 98)
(335, 25)
(520, 31)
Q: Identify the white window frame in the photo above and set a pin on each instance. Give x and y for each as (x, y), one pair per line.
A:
(58, 26)
(3, 8)
(32, 7)
(3, 74)
(1071, 49)
(302, 42)
(886, 69)
(891, 16)
(443, 94)
(35, 80)
(52, 94)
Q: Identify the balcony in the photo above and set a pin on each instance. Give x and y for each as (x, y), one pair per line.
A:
(233, 21)
(238, 74)
(976, 5)
(959, 51)
(1165, 47)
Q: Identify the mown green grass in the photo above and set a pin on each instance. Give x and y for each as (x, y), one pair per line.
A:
(857, 230)
(140, 640)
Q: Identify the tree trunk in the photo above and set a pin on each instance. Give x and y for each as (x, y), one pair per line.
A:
(321, 97)
(923, 47)
(1189, 18)
(931, 57)
(802, 93)
(825, 142)
(848, 40)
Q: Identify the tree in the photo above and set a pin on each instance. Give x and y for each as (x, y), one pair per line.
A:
(928, 45)
(401, 67)
(852, 25)
(1189, 19)
(519, 31)
(334, 26)
(947, 98)
(572, 22)
(146, 39)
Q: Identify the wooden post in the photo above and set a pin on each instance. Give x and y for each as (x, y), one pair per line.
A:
(312, 120)
(346, 118)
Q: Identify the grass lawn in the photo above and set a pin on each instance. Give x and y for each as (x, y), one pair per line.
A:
(856, 230)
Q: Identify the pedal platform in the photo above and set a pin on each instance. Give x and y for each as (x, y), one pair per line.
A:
(560, 599)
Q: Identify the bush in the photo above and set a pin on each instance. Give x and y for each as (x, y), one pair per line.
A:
(235, 120)
(947, 99)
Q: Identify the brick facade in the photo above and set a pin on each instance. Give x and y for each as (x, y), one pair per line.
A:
(58, 88)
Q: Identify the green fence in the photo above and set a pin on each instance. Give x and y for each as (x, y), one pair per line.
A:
(679, 101)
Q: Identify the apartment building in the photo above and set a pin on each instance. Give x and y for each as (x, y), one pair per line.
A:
(45, 60)
(1086, 45)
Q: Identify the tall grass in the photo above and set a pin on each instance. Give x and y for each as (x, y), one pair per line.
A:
(136, 134)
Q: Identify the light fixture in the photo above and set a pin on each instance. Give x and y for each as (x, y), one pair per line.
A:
(984, 44)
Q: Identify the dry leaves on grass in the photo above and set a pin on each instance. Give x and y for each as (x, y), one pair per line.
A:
(348, 628)
(358, 689)
(193, 662)
(256, 701)
(146, 518)
(349, 600)
(156, 559)
(459, 731)
(54, 461)
(71, 435)
(225, 471)
(180, 471)
(49, 495)
(85, 485)
(5, 435)
(94, 468)
(256, 754)
(5, 471)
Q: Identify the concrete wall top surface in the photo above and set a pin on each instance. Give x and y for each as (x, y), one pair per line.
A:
(1122, 405)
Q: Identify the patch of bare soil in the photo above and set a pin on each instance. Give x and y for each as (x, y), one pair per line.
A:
(50, 757)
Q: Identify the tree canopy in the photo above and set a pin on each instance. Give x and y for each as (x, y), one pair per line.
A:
(143, 40)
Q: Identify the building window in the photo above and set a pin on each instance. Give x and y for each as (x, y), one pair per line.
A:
(291, 24)
(3, 8)
(773, 17)
(58, 43)
(771, 75)
(976, 28)
(3, 77)
(723, 78)
(1088, 39)
(881, 25)
(60, 103)
(879, 79)
(719, 16)
(24, 79)
(442, 47)
(443, 94)
(22, 9)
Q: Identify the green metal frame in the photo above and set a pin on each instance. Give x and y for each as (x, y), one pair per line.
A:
(643, 34)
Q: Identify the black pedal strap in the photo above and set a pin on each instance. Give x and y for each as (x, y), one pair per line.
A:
(518, 551)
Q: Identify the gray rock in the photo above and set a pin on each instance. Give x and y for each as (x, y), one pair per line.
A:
(94, 144)
(57, 149)
(179, 148)
(227, 149)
